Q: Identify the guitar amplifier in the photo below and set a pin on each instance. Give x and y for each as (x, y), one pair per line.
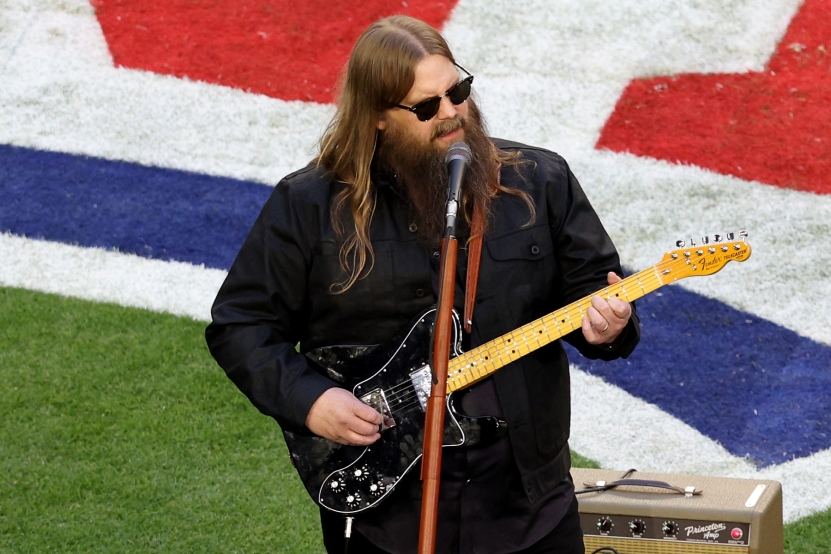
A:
(703, 515)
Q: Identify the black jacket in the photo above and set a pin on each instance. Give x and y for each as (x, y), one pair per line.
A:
(277, 294)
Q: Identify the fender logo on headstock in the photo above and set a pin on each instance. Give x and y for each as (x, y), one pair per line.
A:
(703, 257)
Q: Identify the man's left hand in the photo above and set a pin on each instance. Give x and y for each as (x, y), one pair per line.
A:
(606, 318)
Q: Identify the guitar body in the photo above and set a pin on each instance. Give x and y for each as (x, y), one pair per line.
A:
(395, 379)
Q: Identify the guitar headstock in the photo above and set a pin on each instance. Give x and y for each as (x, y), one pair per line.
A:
(702, 257)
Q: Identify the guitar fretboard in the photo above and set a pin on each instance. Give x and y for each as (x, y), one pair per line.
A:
(475, 365)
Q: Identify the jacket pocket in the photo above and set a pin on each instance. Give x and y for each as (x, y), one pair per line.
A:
(519, 273)
(533, 243)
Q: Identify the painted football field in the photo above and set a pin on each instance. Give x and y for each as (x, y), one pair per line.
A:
(139, 139)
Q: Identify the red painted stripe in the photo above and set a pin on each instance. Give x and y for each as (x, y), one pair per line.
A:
(288, 50)
(772, 126)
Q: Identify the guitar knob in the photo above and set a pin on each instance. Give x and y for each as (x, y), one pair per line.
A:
(337, 484)
(361, 473)
(353, 500)
(377, 489)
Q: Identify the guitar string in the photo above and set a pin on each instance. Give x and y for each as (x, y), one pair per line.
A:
(499, 345)
(646, 279)
(491, 353)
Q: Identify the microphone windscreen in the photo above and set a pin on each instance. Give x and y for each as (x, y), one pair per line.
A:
(458, 151)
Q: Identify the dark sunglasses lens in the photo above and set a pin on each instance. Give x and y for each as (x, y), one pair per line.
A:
(460, 92)
(427, 109)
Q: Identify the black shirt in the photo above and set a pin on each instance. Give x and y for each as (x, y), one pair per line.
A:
(278, 294)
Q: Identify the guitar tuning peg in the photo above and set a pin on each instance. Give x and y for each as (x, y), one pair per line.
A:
(693, 243)
(680, 244)
(743, 234)
(705, 240)
(717, 238)
(730, 236)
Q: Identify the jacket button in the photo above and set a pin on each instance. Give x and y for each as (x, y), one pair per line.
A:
(419, 292)
(535, 250)
(413, 227)
(436, 253)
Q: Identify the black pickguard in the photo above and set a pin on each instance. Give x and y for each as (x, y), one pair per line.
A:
(349, 479)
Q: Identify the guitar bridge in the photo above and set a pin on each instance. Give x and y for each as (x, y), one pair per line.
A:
(378, 401)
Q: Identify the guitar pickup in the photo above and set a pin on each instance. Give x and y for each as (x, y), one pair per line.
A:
(422, 380)
(378, 401)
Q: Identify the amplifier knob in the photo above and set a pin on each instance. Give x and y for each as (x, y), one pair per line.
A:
(605, 525)
(669, 528)
(637, 527)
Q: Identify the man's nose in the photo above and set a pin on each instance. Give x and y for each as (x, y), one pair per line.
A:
(446, 109)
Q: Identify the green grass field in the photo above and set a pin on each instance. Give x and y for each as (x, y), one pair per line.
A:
(120, 434)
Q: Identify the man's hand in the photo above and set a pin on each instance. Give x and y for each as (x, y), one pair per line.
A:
(606, 319)
(338, 416)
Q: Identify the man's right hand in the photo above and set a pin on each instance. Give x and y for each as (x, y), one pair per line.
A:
(338, 416)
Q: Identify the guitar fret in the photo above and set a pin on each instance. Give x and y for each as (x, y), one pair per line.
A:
(511, 346)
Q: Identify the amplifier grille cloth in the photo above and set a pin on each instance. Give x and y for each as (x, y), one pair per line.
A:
(638, 546)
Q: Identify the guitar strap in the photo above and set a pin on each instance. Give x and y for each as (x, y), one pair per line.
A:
(474, 255)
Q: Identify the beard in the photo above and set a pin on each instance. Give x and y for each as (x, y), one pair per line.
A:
(422, 174)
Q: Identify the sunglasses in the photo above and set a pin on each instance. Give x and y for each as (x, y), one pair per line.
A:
(458, 93)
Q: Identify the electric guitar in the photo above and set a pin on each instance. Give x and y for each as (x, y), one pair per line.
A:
(395, 379)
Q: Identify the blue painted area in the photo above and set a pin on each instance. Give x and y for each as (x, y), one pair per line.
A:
(760, 390)
(153, 212)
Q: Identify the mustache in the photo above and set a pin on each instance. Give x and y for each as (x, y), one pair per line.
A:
(448, 126)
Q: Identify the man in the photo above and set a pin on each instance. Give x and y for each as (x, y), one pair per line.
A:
(345, 252)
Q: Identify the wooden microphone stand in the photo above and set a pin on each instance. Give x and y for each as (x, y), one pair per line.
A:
(434, 424)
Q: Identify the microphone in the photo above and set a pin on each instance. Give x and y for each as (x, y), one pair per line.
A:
(457, 159)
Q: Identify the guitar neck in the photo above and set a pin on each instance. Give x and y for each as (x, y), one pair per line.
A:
(473, 366)
(483, 360)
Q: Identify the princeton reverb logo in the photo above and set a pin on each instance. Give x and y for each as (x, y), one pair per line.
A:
(709, 532)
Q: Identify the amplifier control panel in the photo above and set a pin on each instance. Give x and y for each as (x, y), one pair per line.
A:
(667, 529)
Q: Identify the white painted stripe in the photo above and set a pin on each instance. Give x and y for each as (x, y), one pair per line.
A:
(59, 91)
(648, 204)
(621, 431)
(109, 276)
(550, 71)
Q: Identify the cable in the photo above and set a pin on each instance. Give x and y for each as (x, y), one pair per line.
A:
(605, 550)
(605, 487)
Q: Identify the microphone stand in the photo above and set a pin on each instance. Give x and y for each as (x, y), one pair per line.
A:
(434, 419)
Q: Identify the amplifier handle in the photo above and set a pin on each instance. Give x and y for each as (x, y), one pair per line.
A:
(604, 486)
